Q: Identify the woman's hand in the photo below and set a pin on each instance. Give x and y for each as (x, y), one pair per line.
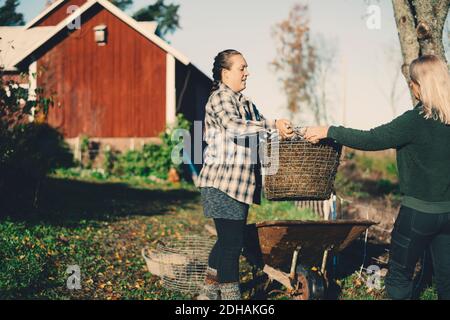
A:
(285, 128)
(315, 134)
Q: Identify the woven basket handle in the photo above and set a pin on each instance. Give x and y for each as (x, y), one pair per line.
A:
(143, 253)
(299, 132)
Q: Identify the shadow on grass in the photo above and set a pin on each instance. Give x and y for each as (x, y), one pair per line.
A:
(67, 202)
(359, 254)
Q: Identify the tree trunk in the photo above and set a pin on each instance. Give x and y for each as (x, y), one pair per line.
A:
(420, 25)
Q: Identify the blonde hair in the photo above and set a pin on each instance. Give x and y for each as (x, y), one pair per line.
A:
(431, 74)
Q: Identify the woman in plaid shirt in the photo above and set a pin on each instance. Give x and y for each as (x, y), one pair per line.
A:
(230, 179)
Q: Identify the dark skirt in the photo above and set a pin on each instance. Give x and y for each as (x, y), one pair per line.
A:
(219, 205)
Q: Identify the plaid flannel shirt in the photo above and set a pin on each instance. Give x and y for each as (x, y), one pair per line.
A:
(232, 128)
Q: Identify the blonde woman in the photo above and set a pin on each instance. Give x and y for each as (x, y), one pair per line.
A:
(422, 139)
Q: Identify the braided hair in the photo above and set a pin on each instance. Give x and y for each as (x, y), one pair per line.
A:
(222, 61)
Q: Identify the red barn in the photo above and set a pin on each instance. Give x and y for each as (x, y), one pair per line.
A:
(116, 81)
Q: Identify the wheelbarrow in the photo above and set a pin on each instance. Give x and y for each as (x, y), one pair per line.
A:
(294, 253)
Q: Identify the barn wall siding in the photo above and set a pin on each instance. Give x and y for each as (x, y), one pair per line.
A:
(117, 90)
(193, 88)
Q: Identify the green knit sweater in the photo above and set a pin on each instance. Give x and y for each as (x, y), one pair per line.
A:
(423, 156)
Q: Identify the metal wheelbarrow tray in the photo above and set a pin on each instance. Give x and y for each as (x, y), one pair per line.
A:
(287, 250)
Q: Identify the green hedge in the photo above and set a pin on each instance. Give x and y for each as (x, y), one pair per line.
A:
(152, 160)
(27, 154)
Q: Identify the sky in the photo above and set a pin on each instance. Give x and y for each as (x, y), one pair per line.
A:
(365, 50)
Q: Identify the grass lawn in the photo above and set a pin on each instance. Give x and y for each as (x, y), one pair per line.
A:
(101, 226)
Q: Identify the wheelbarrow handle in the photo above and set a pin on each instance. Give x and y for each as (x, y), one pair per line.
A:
(294, 263)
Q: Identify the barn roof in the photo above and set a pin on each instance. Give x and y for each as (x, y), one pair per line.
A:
(46, 11)
(44, 35)
(18, 39)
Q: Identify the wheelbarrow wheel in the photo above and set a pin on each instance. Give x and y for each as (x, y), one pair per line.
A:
(308, 285)
(301, 286)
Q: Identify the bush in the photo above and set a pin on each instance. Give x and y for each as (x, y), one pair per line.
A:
(28, 151)
(153, 159)
(387, 187)
(27, 154)
(384, 167)
(35, 149)
(363, 175)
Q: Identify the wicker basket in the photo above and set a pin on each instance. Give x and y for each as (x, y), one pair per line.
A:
(305, 171)
(180, 263)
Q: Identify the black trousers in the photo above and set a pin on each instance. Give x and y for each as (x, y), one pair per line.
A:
(414, 232)
(225, 254)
